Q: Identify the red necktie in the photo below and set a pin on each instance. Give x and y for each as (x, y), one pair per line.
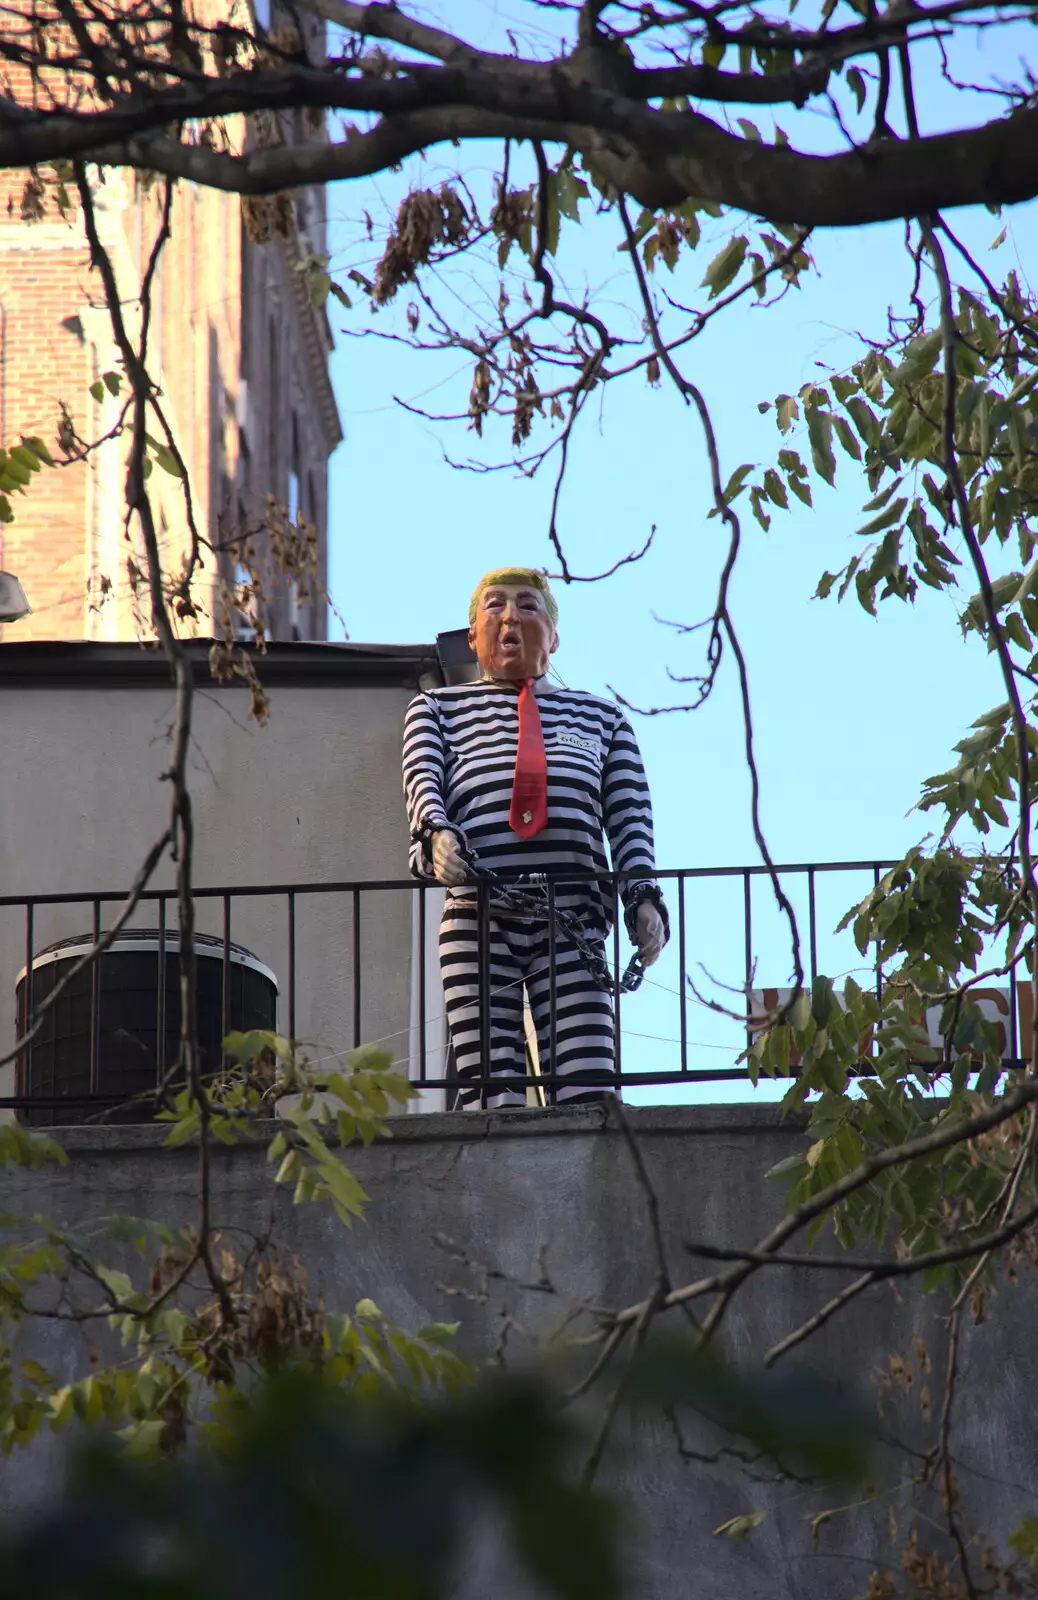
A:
(529, 809)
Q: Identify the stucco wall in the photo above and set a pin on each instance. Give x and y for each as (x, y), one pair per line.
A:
(556, 1189)
(312, 797)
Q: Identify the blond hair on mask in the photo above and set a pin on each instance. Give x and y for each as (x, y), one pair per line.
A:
(529, 576)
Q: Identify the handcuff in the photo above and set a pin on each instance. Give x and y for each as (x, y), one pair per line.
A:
(528, 895)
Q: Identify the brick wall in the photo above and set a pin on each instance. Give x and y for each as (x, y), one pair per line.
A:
(43, 360)
(241, 442)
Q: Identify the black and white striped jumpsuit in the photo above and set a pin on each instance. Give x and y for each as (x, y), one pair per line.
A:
(459, 763)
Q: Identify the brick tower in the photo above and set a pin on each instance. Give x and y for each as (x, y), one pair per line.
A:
(241, 357)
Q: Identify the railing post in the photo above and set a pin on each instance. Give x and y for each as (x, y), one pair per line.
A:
(30, 1008)
(225, 976)
(483, 990)
(160, 999)
(422, 892)
(292, 967)
(618, 911)
(356, 970)
(553, 1001)
(95, 1004)
(879, 964)
(747, 930)
(681, 972)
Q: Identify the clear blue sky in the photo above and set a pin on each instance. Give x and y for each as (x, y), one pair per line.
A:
(851, 713)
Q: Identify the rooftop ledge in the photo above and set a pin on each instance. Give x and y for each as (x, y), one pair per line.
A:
(89, 664)
(441, 1127)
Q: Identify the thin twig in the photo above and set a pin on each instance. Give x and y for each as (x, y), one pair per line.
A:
(182, 828)
(879, 1268)
(956, 1131)
(722, 626)
(950, 1487)
(820, 1318)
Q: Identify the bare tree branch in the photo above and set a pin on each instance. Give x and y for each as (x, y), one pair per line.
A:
(660, 157)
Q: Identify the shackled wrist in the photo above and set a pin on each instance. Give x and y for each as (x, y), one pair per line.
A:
(646, 894)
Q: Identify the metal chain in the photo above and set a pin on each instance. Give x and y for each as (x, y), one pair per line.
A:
(529, 897)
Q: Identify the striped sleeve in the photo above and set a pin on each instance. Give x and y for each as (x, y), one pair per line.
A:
(627, 815)
(424, 768)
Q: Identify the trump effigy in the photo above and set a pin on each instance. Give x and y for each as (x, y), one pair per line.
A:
(515, 777)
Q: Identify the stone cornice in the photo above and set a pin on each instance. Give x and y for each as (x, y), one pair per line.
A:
(316, 344)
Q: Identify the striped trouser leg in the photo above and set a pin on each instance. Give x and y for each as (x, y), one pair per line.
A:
(459, 966)
(584, 1054)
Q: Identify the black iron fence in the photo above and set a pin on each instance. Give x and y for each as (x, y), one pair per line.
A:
(332, 964)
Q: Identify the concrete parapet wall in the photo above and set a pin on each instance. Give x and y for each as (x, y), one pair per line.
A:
(518, 1190)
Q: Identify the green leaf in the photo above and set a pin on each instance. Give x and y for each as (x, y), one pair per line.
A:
(26, 457)
(737, 482)
(290, 1168)
(757, 504)
(878, 501)
(886, 519)
(142, 1440)
(863, 418)
(569, 191)
(713, 52)
(440, 1333)
(165, 457)
(1025, 1541)
(183, 1129)
(737, 1528)
(725, 265)
(117, 1283)
(61, 1407)
(787, 411)
(38, 448)
(788, 1167)
(819, 431)
(866, 588)
(920, 359)
(16, 474)
(1016, 632)
(553, 218)
(856, 83)
(370, 1058)
(318, 286)
(846, 437)
(775, 489)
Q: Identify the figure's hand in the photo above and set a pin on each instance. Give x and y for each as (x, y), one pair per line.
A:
(448, 867)
(651, 936)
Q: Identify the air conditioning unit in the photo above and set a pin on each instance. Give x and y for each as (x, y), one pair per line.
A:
(13, 604)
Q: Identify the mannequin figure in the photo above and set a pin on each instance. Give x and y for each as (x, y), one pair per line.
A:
(525, 777)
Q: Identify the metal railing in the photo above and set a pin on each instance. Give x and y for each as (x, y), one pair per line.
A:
(371, 958)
